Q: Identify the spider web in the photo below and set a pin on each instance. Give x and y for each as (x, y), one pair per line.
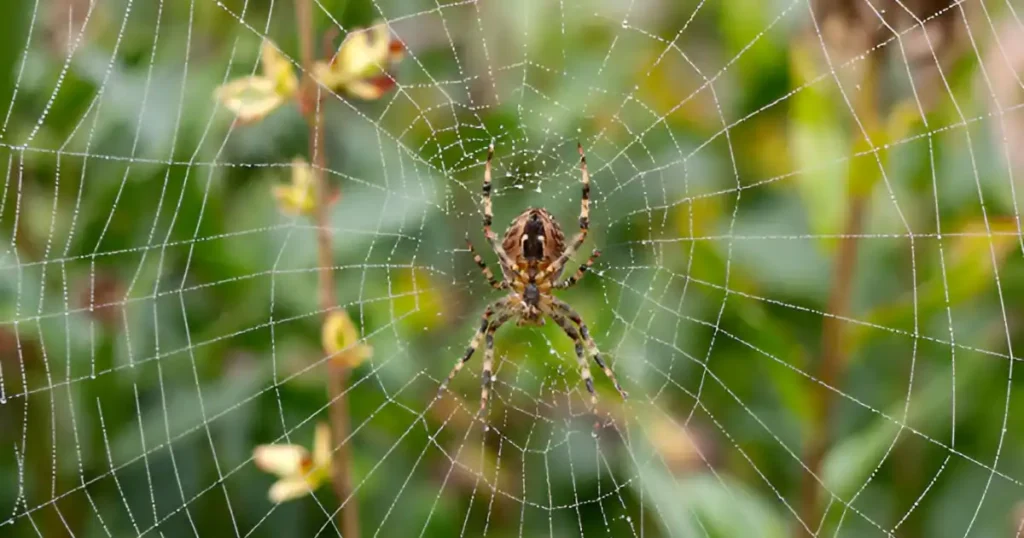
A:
(159, 315)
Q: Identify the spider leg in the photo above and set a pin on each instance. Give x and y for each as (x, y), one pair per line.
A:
(496, 306)
(581, 359)
(492, 238)
(577, 241)
(483, 267)
(589, 342)
(571, 281)
(487, 375)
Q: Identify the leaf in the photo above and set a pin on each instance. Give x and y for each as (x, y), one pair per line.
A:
(820, 149)
(360, 67)
(278, 69)
(721, 505)
(340, 340)
(250, 98)
(419, 301)
(699, 503)
(850, 462)
(969, 275)
(185, 417)
(299, 197)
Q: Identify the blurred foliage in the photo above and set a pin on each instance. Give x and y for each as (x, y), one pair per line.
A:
(160, 320)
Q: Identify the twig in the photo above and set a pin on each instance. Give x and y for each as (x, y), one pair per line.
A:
(337, 373)
(834, 349)
(832, 364)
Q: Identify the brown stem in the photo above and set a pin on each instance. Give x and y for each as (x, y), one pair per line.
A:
(832, 363)
(337, 373)
(834, 351)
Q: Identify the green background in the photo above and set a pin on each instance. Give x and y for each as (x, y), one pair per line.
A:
(159, 314)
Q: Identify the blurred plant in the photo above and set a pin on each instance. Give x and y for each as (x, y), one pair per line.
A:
(299, 473)
(847, 31)
(929, 37)
(298, 197)
(422, 302)
(341, 340)
(102, 295)
(684, 449)
(360, 67)
(1003, 65)
(253, 97)
(63, 19)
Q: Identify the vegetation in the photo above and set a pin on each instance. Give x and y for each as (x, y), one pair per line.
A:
(234, 270)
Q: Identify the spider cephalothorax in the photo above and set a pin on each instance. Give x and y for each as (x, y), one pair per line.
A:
(532, 256)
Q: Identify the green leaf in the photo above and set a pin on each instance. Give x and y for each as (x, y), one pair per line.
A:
(722, 506)
(185, 416)
(820, 149)
(969, 275)
(850, 462)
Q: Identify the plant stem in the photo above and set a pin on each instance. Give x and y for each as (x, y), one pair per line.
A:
(832, 364)
(834, 351)
(337, 373)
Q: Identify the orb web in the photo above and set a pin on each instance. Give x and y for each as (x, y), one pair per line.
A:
(158, 315)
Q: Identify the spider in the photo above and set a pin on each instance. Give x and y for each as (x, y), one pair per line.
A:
(532, 256)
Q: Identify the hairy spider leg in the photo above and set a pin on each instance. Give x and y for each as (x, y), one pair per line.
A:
(577, 241)
(483, 267)
(571, 281)
(488, 374)
(581, 359)
(492, 238)
(500, 306)
(589, 342)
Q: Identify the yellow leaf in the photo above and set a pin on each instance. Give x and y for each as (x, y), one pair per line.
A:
(367, 52)
(361, 64)
(288, 489)
(419, 300)
(341, 340)
(299, 197)
(281, 460)
(322, 445)
(298, 474)
(250, 98)
(278, 69)
(325, 74)
(369, 90)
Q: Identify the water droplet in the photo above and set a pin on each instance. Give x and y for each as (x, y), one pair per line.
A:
(593, 434)
(487, 428)
(629, 518)
(3, 399)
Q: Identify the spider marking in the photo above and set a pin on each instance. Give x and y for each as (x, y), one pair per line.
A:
(532, 255)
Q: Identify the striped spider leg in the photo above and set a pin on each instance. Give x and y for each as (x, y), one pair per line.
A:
(562, 308)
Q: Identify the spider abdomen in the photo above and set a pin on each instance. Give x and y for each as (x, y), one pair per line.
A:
(534, 239)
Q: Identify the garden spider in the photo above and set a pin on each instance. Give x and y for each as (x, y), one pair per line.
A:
(532, 256)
